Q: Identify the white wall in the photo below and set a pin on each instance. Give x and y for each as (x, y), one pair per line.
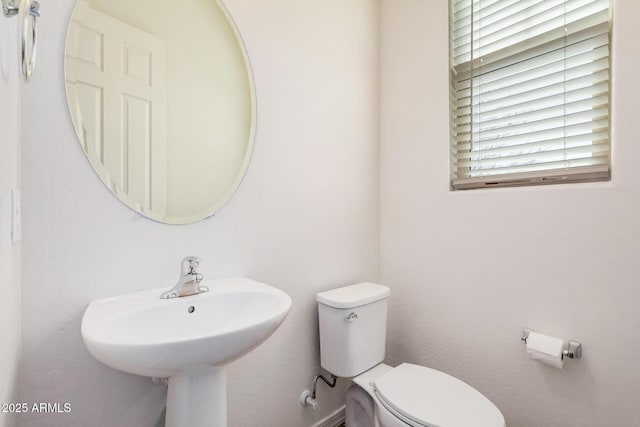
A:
(304, 219)
(468, 270)
(9, 253)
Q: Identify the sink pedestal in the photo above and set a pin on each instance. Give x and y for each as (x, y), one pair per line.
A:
(197, 399)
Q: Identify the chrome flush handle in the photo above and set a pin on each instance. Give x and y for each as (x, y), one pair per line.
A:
(351, 317)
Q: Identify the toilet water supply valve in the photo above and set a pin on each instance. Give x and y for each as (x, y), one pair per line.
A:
(307, 400)
(308, 397)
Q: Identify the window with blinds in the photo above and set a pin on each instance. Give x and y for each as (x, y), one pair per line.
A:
(530, 92)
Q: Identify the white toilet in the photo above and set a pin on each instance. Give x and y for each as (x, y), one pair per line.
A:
(353, 324)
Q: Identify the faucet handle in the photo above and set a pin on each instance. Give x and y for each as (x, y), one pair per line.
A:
(190, 265)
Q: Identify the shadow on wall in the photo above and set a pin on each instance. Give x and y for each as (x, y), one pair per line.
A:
(161, 421)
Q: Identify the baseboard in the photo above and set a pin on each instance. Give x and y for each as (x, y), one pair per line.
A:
(335, 419)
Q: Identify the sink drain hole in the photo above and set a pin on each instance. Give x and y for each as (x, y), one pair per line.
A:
(191, 309)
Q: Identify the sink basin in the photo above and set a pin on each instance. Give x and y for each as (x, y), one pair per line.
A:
(142, 334)
(187, 339)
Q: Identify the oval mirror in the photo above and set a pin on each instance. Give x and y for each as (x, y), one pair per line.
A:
(162, 99)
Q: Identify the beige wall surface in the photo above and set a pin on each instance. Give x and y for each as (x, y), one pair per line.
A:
(469, 270)
(304, 219)
(9, 251)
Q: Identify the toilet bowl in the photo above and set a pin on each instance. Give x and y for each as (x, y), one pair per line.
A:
(352, 344)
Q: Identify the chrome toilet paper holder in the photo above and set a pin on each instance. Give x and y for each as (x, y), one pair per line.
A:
(573, 350)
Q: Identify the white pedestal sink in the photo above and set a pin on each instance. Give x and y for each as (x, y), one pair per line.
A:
(188, 340)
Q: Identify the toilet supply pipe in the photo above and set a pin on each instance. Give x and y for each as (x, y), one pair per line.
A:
(308, 397)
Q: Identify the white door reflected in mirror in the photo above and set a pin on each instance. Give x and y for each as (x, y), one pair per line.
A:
(163, 103)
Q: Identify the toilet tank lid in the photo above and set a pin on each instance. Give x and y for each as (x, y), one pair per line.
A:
(354, 295)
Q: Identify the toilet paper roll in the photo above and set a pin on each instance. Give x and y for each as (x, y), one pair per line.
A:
(359, 408)
(545, 349)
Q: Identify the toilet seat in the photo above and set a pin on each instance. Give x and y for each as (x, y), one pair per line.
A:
(424, 397)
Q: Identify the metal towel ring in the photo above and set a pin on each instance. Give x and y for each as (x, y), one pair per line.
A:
(27, 29)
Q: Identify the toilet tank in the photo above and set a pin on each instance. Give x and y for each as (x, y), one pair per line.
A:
(353, 328)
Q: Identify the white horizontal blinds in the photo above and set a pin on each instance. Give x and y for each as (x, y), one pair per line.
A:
(529, 91)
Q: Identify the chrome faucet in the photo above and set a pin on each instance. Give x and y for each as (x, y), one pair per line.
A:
(188, 281)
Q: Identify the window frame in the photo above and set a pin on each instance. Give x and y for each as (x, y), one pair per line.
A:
(459, 180)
